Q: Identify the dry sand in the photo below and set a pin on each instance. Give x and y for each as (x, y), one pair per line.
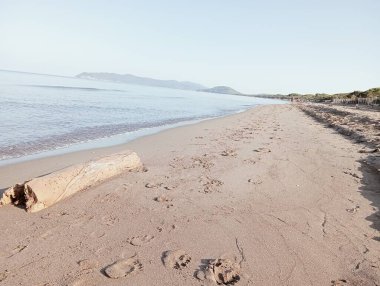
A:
(265, 197)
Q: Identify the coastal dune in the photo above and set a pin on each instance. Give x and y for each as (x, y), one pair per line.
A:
(269, 196)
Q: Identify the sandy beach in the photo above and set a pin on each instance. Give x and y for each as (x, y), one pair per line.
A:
(270, 196)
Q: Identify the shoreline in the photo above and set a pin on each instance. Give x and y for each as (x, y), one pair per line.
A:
(272, 195)
(109, 141)
(63, 158)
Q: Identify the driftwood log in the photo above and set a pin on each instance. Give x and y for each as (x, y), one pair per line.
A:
(42, 192)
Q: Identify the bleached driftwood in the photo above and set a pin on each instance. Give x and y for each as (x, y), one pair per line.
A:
(42, 192)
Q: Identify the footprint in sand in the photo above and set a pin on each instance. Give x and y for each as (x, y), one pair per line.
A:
(140, 240)
(255, 181)
(152, 185)
(123, 268)
(250, 161)
(221, 271)
(109, 198)
(162, 199)
(109, 220)
(262, 150)
(176, 259)
(170, 187)
(122, 189)
(204, 161)
(88, 264)
(97, 234)
(210, 185)
(339, 282)
(229, 153)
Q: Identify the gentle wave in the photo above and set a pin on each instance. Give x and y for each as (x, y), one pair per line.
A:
(71, 87)
(80, 135)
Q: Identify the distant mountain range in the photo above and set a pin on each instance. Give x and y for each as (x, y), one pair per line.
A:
(222, 89)
(132, 79)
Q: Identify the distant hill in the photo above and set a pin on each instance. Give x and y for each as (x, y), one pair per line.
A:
(132, 79)
(221, 89)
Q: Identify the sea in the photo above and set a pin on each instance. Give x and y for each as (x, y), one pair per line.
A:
(43, 115)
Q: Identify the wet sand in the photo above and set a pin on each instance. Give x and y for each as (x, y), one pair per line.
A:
(265, 197)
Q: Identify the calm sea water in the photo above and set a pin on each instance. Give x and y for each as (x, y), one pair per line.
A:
(42, 112)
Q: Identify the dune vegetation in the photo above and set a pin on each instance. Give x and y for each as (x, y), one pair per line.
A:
(371, 95)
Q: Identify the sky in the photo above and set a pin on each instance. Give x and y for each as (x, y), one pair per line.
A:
(267, 46)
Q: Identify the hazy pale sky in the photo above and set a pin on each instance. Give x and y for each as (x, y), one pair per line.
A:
(267, 46)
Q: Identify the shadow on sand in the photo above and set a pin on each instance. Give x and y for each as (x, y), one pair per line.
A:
(2, 191)
(369, 166)
(370, 189)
